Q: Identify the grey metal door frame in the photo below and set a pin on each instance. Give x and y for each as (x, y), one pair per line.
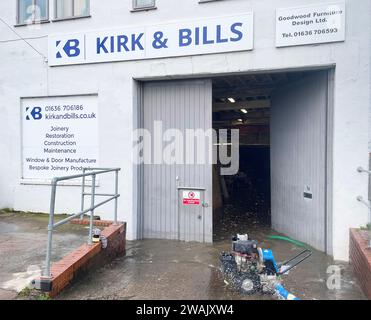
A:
(331, 70)
(329, 158)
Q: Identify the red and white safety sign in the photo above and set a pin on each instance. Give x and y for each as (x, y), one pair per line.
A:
(191, 198)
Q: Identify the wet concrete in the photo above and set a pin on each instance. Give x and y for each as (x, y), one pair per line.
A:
(23, 246)
(160, 269)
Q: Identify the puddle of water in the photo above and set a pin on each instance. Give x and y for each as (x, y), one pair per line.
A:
(7, 228)
(161, 269)
(22, 280)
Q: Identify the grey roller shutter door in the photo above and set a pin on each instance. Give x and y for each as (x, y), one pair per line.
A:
(179, 105)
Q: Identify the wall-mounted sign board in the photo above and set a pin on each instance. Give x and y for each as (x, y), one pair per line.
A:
(191, 198)
(322, 23)
(59, 136)
(181, 38)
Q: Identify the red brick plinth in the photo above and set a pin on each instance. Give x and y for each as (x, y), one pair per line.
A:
(88, 257)
(97, 223)
(360, 258)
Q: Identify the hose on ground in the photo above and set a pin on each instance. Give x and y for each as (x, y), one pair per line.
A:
(283, 293)
(297, 243)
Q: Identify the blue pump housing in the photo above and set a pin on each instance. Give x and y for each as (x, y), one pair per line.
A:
(271, 266)
(269, 260)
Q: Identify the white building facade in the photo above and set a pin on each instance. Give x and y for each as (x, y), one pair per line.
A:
(112, 51)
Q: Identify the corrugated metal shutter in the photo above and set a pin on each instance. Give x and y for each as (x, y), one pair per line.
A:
(179, 105)
(298, 159)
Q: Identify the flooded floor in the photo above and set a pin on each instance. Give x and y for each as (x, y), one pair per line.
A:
(161, 269)
(157, 269)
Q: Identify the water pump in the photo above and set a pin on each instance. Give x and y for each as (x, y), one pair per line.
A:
(251, 269)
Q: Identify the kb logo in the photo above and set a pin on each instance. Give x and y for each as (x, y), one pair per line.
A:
(34, 113)
(70, 48)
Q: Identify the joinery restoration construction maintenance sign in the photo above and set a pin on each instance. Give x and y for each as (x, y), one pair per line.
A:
(203, 36)
(59, 135)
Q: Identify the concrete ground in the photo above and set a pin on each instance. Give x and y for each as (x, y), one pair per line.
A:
(23, 246)
(156, 269)
(161, 269)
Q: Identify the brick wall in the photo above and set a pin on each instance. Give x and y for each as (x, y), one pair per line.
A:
(360, 259)
(98, 223)
(86, 258)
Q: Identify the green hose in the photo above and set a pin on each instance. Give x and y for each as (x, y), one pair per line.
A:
(298, 243)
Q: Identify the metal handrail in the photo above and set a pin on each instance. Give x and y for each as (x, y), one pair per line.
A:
(366, 203)
(112, 197)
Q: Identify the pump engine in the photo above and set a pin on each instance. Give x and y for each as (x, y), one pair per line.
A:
(251, 269)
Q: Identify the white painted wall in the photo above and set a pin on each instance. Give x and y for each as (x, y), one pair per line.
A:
(24, 73)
